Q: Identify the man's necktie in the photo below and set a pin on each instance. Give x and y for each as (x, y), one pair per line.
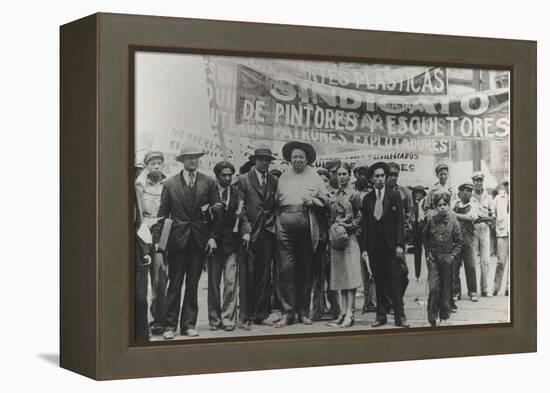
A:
(264, 182)
(378, 205)
(191, 179)
(420, 211)
(224, 195)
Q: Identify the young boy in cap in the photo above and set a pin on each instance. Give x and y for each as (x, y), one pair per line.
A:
(442, 185)
(148, 189)
(467, 213)
(443, 243)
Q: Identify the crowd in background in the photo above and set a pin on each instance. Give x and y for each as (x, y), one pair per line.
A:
(294, 243)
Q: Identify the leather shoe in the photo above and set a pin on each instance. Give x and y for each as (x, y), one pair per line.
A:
(284, 321)
(190, 332)
(244, 325)
(487, 294)
(305, 320)
(168, 334)
(215, 327)
(157, 330)
(348, 321)
(316, 317)
(378, 323)
(229, 328)
(263, 322)
(403, 323)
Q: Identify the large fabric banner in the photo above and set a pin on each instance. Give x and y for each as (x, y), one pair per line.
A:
(287, 102)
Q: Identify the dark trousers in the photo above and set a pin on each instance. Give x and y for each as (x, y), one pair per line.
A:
(321, 278)
(185, 263)
(295, 275)
(224, 312)
(439, 280)
(404, 275)
(262, 253)
(275, 301)
(388, 278)
(417, 242)
(369, 290)
(141, 328)
(466, 258)
(159, 279)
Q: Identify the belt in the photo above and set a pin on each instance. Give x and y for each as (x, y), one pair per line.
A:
(293, 209)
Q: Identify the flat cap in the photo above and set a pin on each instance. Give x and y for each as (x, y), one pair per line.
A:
(441, 167)
(478, 175)
(151, 155)
(465, 185)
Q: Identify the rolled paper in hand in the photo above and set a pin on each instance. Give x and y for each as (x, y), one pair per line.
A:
(238, 214)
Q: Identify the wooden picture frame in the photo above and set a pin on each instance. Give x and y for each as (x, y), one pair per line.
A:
(96, 197)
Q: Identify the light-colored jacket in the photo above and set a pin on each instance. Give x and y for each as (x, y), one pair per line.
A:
(502, 206)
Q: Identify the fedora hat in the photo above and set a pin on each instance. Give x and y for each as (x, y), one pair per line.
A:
(189, 151)
(421, 189)
(306, 147)
(378, 165)
(262, 152)
(361, 164)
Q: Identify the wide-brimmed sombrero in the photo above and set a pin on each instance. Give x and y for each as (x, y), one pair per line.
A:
(306, 147)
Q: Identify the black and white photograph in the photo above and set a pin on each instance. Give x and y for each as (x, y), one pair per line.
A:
(282, 196)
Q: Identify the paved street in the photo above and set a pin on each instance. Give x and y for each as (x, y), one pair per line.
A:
(486, 310)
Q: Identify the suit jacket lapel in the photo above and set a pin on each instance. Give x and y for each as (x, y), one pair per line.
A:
(386, 201)
(180, 191)
(255, 183)
(200, 186)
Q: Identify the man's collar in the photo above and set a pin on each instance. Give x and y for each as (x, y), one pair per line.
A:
(260, 174)
(152, 181)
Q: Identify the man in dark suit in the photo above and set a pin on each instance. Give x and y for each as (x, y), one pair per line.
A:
(230, 227)
(258, 188)
(383, 240)
(185, 199)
